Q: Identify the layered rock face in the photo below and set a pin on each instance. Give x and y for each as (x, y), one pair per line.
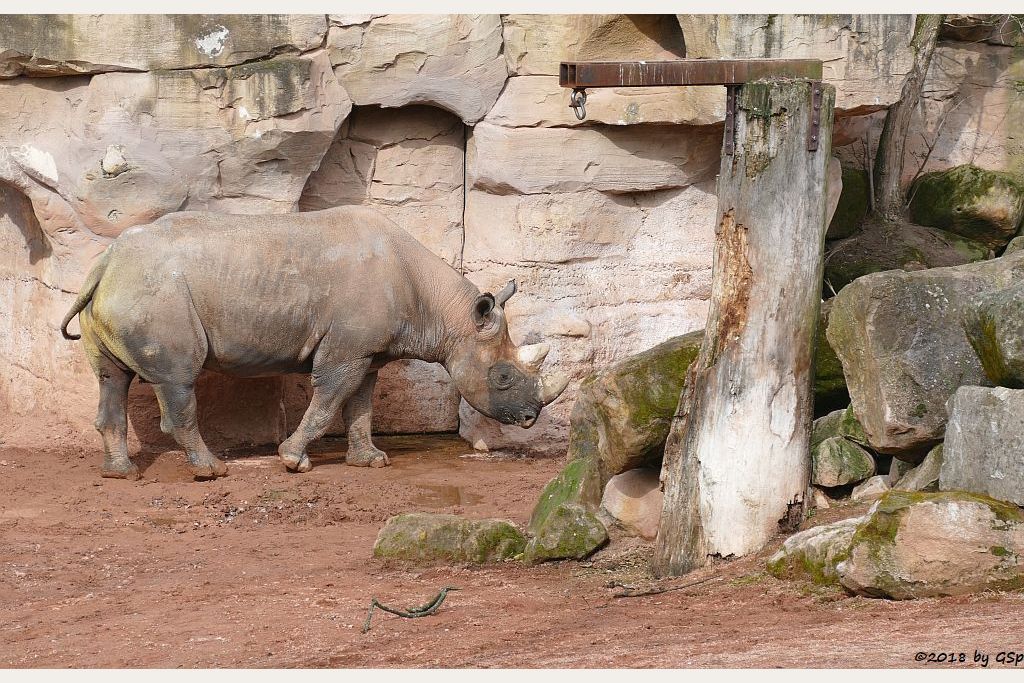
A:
(452, 125)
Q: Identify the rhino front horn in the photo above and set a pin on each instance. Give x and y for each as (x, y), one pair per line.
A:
(533, 355)
(552, 386)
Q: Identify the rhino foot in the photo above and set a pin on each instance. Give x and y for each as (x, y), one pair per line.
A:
(208, 468)
(367, 457)
(296, 463)
(114, 469)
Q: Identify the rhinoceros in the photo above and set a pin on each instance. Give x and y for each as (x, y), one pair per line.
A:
(337, 294)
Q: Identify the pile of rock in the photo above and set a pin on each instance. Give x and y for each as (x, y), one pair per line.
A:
(934, 365)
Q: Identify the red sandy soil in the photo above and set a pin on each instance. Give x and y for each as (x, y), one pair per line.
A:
(265, 568)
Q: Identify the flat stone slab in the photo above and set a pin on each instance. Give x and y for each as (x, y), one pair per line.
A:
(426, 537)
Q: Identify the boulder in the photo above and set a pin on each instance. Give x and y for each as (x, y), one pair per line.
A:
(452, 61)
(854, 202)
(820, 499)
(815, 552)
(537, 43)
(53, 45)
(901, 355)
(880, 246)
(634, 499)
(623, 414)
(916, 545)
(995, 328)
(984, 206)
(924, 477)
(570, 532)
(873, 488)
(866, 56)
(838, 423)
(900, 468)
(577, 484)
(427, 537)
(838, 462)
(504, 160)
(984, 447)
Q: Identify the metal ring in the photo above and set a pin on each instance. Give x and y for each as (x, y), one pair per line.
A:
(577, 102)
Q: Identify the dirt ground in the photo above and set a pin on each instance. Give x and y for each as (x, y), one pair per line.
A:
(265, 568)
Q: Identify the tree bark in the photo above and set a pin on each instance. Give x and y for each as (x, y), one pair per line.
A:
(888, 171)
(737, 458)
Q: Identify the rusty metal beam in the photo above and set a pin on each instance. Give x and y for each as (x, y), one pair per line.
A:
(683, 72)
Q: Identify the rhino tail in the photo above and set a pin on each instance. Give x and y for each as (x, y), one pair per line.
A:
(91, 282)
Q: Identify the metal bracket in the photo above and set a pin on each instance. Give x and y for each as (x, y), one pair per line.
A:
(729, 143)
(814, 131)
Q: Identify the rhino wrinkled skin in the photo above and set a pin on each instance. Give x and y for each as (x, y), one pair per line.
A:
(336, 293)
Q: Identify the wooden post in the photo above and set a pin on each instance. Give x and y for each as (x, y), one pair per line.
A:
(737, 458)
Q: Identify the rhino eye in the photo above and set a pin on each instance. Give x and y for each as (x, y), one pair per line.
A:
(503, 376)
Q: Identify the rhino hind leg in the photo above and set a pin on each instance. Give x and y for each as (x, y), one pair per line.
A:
(358, 417)
(333, 384)
(178, 418)
(112, 419)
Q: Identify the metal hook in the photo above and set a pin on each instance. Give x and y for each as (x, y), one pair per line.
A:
(578, 101)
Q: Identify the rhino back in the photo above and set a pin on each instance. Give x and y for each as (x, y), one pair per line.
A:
(267, 290)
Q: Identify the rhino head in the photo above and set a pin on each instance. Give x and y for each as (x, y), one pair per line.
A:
(501, 380)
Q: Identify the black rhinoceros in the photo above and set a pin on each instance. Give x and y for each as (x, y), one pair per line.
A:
(336, 293)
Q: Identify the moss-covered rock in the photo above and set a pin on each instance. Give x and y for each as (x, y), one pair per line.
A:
(904, 353)
(623, 413)
(838, 423)
(431, 538)
(995, 327)
(924, 477)
(813, 554)
(838, 462)
(881, 246)
(853, 205)
(926, 544)
(578, 483)
(985, 206)
(569, 532)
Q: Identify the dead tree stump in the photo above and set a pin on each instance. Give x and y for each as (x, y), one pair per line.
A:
(737, 458)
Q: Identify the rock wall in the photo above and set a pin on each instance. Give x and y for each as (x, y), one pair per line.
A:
(454, 126)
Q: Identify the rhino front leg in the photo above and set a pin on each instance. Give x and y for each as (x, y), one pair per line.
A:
(358, 414)
(178, 418)
(331, 388)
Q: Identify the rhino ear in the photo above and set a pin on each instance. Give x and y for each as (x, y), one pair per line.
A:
(483, 308)
(506, 293)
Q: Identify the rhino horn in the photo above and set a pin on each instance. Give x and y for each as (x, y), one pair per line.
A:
(506, 293)
(533, 355)
(552, 386)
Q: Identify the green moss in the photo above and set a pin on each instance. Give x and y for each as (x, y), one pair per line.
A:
(577, 483)
(568, 532)
(958, 200)
(650, 383)
(919, 411)
(424, 537)
(1000, 551)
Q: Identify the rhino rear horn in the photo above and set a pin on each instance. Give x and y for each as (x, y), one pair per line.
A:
(533, 355)
(506, 293)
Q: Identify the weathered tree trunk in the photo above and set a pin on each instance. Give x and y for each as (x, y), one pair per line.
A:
(892, 144)
(737, 458)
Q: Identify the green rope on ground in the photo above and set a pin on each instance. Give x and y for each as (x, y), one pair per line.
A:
(411, 613)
